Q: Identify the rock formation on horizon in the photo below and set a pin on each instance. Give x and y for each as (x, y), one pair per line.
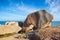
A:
(39, 19)
(12, 23)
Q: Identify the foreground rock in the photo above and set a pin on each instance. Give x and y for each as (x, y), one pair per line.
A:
(39, 19)
(50, 33)
(9, 28)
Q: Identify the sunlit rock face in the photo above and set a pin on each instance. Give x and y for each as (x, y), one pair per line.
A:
(29, 29)
(39, 19)
(9, 27)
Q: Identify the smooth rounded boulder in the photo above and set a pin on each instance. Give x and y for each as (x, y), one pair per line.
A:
(39, 19)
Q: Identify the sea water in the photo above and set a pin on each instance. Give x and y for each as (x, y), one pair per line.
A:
(53, 23)
(2, 22)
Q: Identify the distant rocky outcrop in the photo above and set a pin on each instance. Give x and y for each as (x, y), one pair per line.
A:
(39, 19)
(9, 27)
(12, 23)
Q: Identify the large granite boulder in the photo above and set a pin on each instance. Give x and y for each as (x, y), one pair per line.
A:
(39, 19)
(9, 27)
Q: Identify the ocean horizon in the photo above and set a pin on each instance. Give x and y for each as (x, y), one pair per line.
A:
(53, 23)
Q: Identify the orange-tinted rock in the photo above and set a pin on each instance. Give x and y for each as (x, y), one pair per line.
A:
(39, 19)
(29, 29)
(51, 33)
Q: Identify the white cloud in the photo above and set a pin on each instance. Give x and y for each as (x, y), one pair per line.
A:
(22, 10)
(15, 12)
(11, 17)
(27, 9)
(54, 7)
(22, 7)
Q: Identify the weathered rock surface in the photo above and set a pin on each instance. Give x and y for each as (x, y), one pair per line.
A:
(9, 27)
(50, 33)
(39, 19)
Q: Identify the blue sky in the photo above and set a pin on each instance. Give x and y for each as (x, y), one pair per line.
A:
(17, 10)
